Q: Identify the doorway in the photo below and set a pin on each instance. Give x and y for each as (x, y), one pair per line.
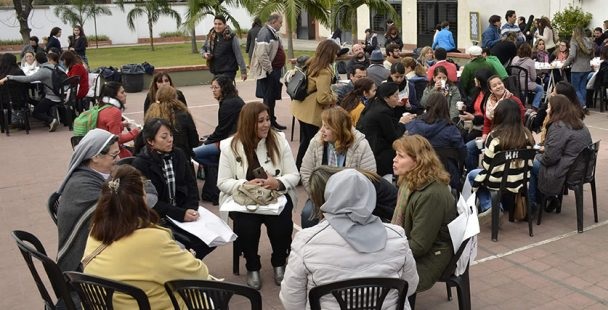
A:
(433, 12)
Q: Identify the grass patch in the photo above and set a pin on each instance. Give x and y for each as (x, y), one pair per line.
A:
(172, 34)
(11, 42)
(165, 55)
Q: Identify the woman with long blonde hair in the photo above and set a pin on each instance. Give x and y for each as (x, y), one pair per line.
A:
(425, 206)
(169, 108)
(581, 52)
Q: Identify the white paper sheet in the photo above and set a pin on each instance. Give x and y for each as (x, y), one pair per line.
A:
(209, 228)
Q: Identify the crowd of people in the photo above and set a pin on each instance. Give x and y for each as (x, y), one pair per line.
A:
(370, 156)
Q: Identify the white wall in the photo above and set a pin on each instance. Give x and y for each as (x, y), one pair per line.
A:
(42, 19)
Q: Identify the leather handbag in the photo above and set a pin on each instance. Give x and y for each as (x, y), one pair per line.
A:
(251, 194)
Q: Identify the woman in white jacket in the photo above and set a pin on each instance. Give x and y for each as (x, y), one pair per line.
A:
(337, 144)
(255, 145)
(349, 243)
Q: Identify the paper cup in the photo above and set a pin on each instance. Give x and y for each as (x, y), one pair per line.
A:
(442, 83)
(460, 105)
(479, 143)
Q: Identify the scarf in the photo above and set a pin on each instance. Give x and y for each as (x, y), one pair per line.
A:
(334, 159)
(227, 34)
(169, 175)
(399, 214)
(111, 101)
(493, 103)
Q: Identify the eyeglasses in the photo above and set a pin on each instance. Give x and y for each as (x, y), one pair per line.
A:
(114, 156)
(215, 87)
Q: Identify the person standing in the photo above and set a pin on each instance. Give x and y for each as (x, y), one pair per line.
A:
(510, 26)
(445, 39)
(267, 63)
(223, 50)
(32, 47)
(251, 35)
(491, 35)
(53, 44)
(581, 52)
(78, 44)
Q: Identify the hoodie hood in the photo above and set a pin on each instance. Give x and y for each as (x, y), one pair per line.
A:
(350, 199)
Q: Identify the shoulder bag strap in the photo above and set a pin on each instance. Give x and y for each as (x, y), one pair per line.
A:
(85, 261)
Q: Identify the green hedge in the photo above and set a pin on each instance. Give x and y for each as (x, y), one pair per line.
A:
(172, 34)
(11, 42)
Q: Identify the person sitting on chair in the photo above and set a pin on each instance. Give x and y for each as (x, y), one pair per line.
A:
(350, 242)
(124, 226)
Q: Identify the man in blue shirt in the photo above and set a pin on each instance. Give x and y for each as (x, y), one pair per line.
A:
(511, 26)
(445, 39)
(491, 35)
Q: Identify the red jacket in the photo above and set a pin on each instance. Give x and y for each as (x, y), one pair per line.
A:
(487, 123)
(80, 71)
(110, 119)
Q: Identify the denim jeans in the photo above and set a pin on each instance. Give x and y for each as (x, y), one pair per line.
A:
(539, 92)
(579, 81)
(485, 200)
(207, 154)
(533, 193)
(472, 160)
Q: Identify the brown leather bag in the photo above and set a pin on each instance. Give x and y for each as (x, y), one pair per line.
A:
(519, 214)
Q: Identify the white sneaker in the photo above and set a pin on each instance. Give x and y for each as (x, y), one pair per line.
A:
(53, 125)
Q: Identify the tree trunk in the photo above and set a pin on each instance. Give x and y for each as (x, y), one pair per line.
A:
(193, 39)
(23, 13)
(290, 51)
(353, 27)
(151, 35)
(95, 25)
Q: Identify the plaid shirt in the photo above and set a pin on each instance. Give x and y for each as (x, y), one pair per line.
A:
(169, 176)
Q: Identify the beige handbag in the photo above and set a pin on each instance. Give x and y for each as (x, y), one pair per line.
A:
(251, 194)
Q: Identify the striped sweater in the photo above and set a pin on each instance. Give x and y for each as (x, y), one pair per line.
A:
(516, 176)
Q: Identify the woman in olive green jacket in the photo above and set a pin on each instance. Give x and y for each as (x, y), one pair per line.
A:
(425, 206)
(320, 76)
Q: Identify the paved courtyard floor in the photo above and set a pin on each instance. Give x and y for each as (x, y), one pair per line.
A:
(556, 269)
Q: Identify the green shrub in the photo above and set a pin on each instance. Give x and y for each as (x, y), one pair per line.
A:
(101, 37)
(11, 42)
(565, 21)
(173, 34)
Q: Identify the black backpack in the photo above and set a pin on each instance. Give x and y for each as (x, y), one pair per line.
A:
(57, 78)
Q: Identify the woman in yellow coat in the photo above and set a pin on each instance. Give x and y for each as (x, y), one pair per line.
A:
(127, 245)
(320, 76)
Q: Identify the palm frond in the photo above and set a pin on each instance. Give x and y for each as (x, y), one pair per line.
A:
(172, 13)
(136, 12)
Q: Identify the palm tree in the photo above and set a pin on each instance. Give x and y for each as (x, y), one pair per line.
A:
(153, 10)
(317, 9)
(80, 11)
(345, 13)
(198, 9)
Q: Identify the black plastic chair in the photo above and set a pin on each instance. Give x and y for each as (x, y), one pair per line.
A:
(14, 99)
(506, 158)
(30, 248)
(522, 77)
(53, 205)
(360, 293)
(202, 295)
(461, 282)
(575, 181)
(126, 161)
(96, 292)
(67, 94)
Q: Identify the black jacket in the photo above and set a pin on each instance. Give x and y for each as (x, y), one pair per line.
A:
(186, 192)
(504, 51)
(381, 128)
(227, 117)
(185, 135)
(250, 44)
(79, 45)
(53, 43)
(180, 97)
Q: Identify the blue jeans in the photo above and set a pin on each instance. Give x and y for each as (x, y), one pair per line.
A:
(533, 193)
(485, 200)
(539, 92)
(207, 154)
(472, 160)
(579, 81)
